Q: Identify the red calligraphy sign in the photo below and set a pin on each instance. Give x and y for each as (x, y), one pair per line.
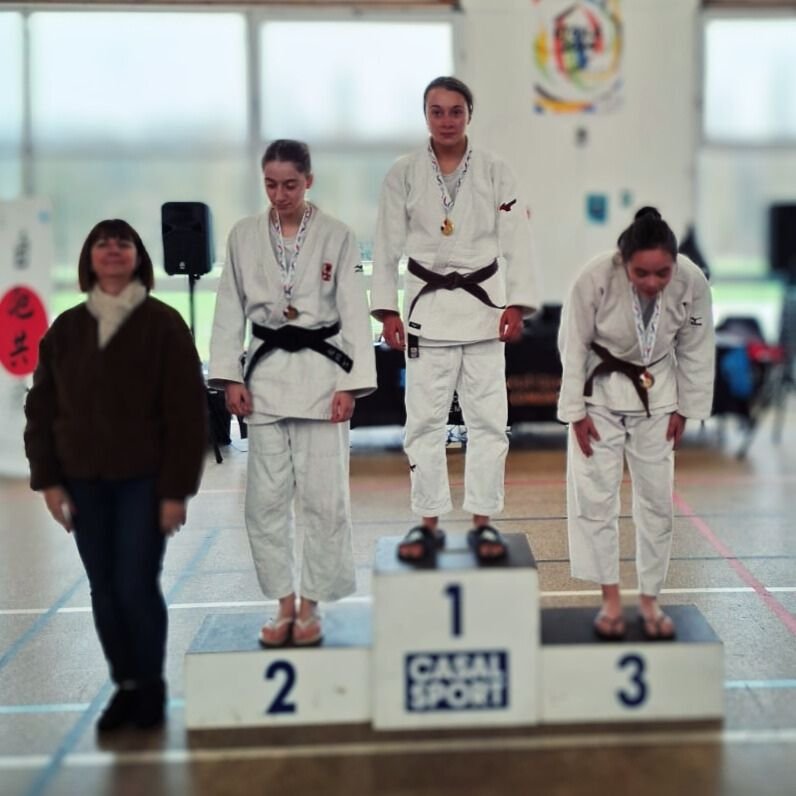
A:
(23, 322)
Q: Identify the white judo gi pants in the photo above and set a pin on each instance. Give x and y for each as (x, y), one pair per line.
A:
(477, 371)
(302, 466)
(593, 485)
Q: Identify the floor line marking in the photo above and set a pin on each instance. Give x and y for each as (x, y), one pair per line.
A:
(85, 609)
(39, 623)
(431, 746)
(73, 735)
(773, 605)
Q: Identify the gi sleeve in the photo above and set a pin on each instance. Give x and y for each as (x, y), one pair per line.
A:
(352, 306)
(516, 244)
(183, 414)
(227, 338)
(392, 227)
(695, 350)
(575, 336)
(41, 411)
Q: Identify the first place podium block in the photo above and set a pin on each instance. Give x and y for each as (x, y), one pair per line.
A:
(455, 641)
(231, 681)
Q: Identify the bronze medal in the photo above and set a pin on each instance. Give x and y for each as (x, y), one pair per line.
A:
(646, 380)
(447, 227)
(291, 313)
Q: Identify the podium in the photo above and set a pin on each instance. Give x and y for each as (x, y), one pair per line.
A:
(231, 681)
(453, 642)
(634, 679)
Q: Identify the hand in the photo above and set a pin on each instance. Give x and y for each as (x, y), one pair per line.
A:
(393, 331)
(172, 516)
(585, 432)
(238, 398)
(342, 406)
(675, 429)
(510, 326)
(60, 505)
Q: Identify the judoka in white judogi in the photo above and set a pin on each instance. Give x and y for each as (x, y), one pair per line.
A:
(295, 455)
(457, 333)
(670, 340)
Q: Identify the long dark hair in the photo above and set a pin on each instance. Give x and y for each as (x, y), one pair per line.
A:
(120, 230)
(648, 231)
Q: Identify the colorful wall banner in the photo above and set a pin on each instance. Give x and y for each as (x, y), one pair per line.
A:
(577, 55)
(26, 260)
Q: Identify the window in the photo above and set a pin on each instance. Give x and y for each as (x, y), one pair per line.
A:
(748, 157)
(11, 96)
(750, 80)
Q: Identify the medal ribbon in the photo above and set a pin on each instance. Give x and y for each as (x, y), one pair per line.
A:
(447, 202)
(646, 334)
(288, 268)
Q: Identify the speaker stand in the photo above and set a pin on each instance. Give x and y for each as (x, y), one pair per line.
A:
(192, 280)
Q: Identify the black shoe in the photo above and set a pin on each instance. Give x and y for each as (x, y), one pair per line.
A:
(120, 711)
(150, 706)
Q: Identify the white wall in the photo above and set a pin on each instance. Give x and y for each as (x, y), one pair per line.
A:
(646, 147)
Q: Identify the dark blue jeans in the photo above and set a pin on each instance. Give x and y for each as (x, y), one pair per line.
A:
(121, 545)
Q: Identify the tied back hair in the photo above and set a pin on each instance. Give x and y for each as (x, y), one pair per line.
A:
(648, 231)
(287, 150)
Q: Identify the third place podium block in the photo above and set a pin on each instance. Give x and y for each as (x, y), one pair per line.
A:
(588, 680)
(455, 642)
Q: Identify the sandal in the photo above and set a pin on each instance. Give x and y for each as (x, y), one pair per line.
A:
(430, 541)
(310, 630)
(276, 631)
(609, 628)
(483, 537)
(658, 628)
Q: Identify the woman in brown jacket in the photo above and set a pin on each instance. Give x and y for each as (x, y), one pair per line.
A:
(115, 436)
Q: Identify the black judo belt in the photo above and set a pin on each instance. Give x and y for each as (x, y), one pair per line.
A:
(638, 374)
(450, 281)
(297, 338)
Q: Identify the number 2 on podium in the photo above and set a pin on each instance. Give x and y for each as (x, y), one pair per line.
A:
(454, 592)
(280, 703)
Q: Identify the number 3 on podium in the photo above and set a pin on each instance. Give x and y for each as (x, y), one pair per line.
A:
(636, 697)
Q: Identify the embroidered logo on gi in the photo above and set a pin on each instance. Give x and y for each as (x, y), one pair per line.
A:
(695, 321)
(359, 268)
(507, 205)
(414, 325)
(412, 468)
(326, 272)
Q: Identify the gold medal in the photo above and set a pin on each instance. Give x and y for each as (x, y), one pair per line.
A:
(646, 380)
(291, 313)
(447, 227)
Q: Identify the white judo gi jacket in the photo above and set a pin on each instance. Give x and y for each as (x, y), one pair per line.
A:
(328, 288)
(600, 310)
(409, 221)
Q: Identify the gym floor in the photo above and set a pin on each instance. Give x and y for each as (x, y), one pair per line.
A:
(734, 554)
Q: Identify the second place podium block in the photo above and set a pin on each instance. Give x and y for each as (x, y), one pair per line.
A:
(455, 642)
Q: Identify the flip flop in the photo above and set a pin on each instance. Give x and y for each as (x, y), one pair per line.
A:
(430, 540)
(659, 628)
(312, 624)
(276, 631)
(609, 628)
(479, 538)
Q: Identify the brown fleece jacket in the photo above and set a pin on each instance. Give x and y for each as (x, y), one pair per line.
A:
(136, 408)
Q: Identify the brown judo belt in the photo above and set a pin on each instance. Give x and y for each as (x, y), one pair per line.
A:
(639, 375)
(454, 280)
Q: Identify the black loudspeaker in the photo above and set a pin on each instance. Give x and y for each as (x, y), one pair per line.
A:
(782, 239)
(187, 238)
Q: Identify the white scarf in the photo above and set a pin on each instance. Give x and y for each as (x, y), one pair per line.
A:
(112, 311)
